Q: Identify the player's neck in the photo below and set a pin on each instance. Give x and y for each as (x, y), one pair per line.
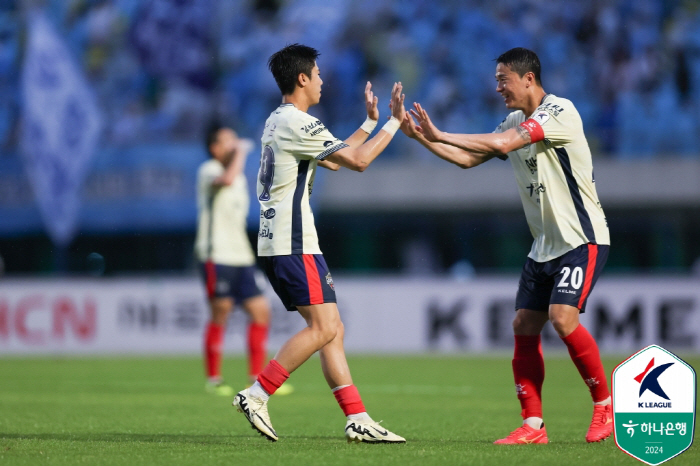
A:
(534, 100)
(298, 99)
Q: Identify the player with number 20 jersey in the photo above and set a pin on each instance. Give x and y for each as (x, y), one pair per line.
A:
(544, 140)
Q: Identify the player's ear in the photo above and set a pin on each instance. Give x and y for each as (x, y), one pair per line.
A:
(302, 80)
(530, 77)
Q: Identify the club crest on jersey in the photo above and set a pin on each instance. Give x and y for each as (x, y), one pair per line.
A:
(541, 117)
(329, 280)
(269, 213)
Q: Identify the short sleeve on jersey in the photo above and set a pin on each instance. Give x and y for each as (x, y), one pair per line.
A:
(314, 141)
(554, 122)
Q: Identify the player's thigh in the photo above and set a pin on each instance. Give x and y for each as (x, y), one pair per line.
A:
(575, 274)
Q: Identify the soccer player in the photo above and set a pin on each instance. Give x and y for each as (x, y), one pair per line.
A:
(544, 140)
(226, 257)
(294, 143)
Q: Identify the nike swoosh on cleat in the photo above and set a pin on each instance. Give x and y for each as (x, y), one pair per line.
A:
(359, 430)
(385, 433)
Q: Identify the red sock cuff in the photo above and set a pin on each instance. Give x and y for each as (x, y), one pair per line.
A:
(272, 377)
(349, 400)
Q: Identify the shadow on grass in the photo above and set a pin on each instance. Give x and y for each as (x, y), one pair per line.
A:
(120, 437)
(228, 439)
(123, 437)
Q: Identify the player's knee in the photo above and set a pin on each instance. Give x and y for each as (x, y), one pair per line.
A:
(529, 323)
(340, 330)
(324, 331)
(520, 325)
(563, 324)
(262, 316)
(327, 334)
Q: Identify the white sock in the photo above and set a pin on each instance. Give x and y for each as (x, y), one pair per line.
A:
(534, 422)
(605, 402)
(359, 417)
(256, 391)
(339, 387)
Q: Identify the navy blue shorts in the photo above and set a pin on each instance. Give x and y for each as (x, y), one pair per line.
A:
(568, 279)
(300, 279)
(225, 281)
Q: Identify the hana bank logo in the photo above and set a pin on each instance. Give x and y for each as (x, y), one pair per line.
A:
(649, 381)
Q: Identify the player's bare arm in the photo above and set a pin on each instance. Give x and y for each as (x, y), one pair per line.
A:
(360, 136)
(479, 144)
(235, 166)
(452, 154)
(359, 158)
(329, 165)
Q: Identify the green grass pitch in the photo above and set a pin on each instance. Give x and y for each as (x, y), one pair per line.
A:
(153, 411)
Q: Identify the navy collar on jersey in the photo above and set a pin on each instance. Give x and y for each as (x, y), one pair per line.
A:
(543, 99)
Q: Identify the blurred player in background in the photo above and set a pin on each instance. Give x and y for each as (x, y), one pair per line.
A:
(294, 144)
(226, 257)
(544, 140)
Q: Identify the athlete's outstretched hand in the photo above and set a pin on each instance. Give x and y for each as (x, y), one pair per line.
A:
(244, 146)
(371, 101)
(409, 127)
(425, 126)
(396, 104)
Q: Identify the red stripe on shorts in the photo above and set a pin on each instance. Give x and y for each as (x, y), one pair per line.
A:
(210, 273)
(590, 271)
(313, 280)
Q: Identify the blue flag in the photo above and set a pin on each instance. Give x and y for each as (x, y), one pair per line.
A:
(61, 124)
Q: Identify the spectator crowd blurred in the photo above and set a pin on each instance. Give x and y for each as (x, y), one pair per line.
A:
(163, 68)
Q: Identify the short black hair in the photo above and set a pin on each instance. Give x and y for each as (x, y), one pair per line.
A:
(288, 63)
(212, 134)
(522, 60)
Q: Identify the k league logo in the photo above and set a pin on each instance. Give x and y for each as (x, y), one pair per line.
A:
(650, 382)
(654, 405)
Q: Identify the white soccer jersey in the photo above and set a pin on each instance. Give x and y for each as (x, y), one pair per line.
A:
(555, 180)
(292, 144)
(221, 230)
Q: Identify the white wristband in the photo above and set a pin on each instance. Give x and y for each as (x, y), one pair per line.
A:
(391, 126)
(369, 125)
